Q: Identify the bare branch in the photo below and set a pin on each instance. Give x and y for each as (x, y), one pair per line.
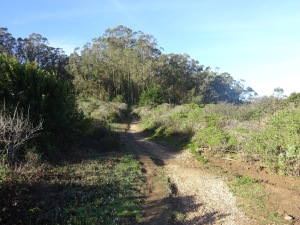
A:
(14, 131)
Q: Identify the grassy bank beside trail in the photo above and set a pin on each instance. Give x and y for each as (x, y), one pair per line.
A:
(264, 131)
(101, 188)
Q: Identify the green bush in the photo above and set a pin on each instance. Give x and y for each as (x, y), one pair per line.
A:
(215, 139)
(266, 130)
(151, 96)
(294, 98)
(49, 99)
(278, 144)
(103, 111)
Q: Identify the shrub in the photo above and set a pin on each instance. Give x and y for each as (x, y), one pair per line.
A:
(278, 144)
(266, 130)
(14, 131)
(151, 96)
(294, 98)
(103, 111)
(215, 139)
(49, 99)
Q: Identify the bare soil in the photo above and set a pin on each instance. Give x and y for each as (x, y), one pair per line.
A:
(283, 192)
(199, 195)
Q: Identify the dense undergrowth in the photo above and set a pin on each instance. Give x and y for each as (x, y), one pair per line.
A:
(264, 131)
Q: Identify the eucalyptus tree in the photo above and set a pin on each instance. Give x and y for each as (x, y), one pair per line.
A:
(7, 42)
(224, 88)
(180, 77)
(124, 63)
(121, 62)
(36, 48)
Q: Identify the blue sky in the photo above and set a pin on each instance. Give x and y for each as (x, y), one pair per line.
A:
(257, 40)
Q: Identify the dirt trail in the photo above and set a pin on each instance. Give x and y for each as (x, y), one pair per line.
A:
(202, 197)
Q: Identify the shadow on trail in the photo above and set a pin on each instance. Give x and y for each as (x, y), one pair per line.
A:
(208, 218)
(177, 212)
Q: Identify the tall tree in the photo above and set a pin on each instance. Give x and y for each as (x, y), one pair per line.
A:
(120, 62)
(7, 42)
(36, 48)
(177, 75)
(124, 62)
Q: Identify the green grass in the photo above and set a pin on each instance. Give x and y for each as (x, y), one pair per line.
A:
(250, 189)
(101, 189)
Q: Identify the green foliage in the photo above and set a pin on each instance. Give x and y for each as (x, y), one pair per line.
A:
(129, 63)
(119, 63)
(255, 198)
(35, 48)
(278, 143)
(266, 130)
(53, 101)
(256, 110)
(4, 170)
(214, 138)
(151, 96)
(122, 63)
(244, 180)
(118, 98)
(187, 123)
(250, 189)
(294, 98)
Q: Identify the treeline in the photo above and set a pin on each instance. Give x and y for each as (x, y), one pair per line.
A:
(36, 48)
(123, 63)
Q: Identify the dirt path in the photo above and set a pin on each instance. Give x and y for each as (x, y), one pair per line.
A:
(200, 197)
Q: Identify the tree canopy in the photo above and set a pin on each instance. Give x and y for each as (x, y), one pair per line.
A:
(123, 62)
(36, 48)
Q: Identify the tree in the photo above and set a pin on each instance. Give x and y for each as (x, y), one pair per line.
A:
(152, 96)
(36, 48)
(120, 62)
(177, 74)
(278, 92)
(7, 42)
